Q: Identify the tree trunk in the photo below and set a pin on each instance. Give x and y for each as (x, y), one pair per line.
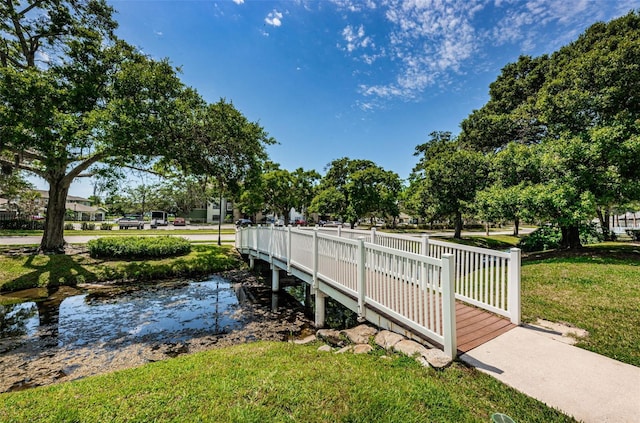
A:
(570, 237)
(516, 226)
(604, 219)
(53, 236)
(458, 226)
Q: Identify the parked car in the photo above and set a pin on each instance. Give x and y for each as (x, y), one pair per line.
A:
(179, 221)
(243, 223)
(300, 222)
(132, 221)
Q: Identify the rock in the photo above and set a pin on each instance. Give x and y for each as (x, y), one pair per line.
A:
(387, 339)
(360, 334)
(362, 349)
(410, 348)
(345, 349)
(436, 358)
(325, 348)
(423, 361)
(331, 336)
(304, 341)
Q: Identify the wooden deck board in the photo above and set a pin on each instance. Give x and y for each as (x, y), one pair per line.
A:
(475, 327)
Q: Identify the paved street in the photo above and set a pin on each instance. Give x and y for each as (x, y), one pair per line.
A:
(195, 236)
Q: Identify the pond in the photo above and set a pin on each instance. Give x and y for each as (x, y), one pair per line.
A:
(72, 334)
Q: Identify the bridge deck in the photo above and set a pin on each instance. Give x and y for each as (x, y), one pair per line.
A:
(476, 326)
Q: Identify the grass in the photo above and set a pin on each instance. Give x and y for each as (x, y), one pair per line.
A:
(39, 270)
(597, 289)
(127, 232)
(493, 242)
(278, 382)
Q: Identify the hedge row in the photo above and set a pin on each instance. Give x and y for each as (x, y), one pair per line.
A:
(22, 224)
(135, 247)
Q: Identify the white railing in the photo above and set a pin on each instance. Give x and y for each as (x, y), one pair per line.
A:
(485, 278)
(412, 289)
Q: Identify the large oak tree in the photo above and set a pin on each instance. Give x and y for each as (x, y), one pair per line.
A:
(72, 96)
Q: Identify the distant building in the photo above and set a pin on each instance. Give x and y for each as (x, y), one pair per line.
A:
(78, 208)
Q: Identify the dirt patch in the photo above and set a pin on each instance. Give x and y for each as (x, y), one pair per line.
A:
(42, 362)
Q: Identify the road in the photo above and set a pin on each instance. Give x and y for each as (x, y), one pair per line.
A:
(209, 237)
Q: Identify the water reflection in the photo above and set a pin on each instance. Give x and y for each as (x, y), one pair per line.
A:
(173, 310)
(18, 319)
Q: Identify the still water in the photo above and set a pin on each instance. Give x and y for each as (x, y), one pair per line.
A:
(173, 310)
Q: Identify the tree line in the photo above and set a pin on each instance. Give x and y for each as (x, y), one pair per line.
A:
(557, 142)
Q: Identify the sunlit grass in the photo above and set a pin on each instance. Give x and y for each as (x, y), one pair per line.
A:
(598, 290)
(278, 382)
(39, 270)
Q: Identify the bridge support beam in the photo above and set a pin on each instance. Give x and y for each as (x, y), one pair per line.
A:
(275, 279)
(320, 308)
(252, 262)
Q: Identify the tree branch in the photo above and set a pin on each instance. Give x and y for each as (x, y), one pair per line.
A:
(23, 166)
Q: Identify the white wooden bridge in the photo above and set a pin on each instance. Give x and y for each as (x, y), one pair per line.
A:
(411, 285)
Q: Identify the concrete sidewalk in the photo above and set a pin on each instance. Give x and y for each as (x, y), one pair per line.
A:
(582, 384)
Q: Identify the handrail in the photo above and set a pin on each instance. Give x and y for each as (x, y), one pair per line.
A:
(414, 289)
(485, 278)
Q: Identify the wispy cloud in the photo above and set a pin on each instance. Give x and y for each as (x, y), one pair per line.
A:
(354, 5)
(427, 42)
(427, 39)
(356, 38)
(274, 18)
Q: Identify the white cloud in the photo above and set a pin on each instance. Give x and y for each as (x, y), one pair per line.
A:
(356, 38)
(354, 5)
(238, 1)
(274, 18)
(428, 39)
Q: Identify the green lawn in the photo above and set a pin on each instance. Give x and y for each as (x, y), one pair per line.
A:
(39, 270)
(278, 382)
(597, 289)
(128, 232)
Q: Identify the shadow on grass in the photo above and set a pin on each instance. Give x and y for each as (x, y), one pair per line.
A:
(50, 272)
(607, 252)
(204, 260)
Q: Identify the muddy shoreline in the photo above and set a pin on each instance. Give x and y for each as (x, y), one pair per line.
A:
(40, 362)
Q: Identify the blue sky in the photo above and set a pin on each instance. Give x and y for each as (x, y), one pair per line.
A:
(365, 79)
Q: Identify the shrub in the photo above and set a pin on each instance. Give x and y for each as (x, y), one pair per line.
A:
(138, 247)
(24, 224)
(544, 238)
(69, 227)
(106, 226)
(86, 226)
(590, 234)
(548, 237)
(634, 234)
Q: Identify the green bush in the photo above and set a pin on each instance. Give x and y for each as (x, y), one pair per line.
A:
(86, 226)
(544, 238)
(106, 226)
(138, 247)
(590, 234)
(548, 237)
(22, 224)
(634, 234)
(69, 227)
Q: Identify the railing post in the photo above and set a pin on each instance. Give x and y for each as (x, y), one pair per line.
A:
(320, 308)
(373, 235)
(449, 305)
(339, 231)
(514, 285)
(362, 274)
(289, 249)
(275, 279)
(314, 270)
(271, 243)
(425, 245)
